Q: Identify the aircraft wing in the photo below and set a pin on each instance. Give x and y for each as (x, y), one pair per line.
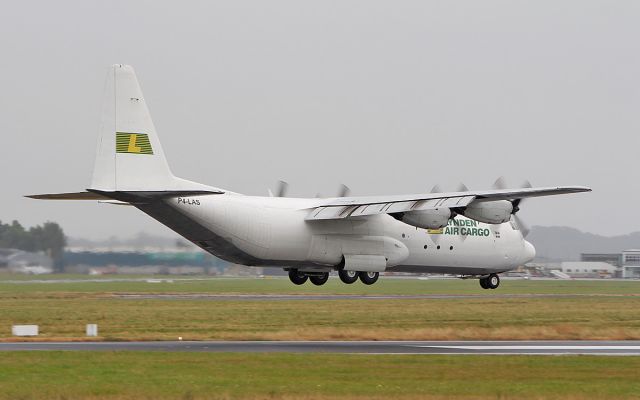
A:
(345, 207)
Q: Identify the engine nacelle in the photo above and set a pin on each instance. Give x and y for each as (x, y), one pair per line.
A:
(427, 219)
(489, 212)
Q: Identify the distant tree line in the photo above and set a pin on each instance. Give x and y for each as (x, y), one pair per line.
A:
(47, 237)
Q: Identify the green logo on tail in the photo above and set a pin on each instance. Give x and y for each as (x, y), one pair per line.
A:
(133, 143)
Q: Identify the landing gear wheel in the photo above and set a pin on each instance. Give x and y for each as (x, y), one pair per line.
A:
(369, 278)
(483, 283)
(297, 277)
(493, 281)
(348, 277)
(319, 280)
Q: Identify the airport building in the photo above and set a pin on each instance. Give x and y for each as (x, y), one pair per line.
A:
(627, 262)
(589, 269)
(631, 263)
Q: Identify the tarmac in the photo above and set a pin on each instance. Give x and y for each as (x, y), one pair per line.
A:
(611, 348)
(289, 297)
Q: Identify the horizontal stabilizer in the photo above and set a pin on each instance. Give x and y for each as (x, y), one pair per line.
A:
(69, 196)
(115, 202)
(123, 198)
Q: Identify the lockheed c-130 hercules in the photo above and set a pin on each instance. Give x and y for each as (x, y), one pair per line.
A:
(470, 233)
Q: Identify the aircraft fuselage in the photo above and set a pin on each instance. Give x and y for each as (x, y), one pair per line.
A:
(272, 231)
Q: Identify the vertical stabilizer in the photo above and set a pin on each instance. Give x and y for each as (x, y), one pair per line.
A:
(129, 155)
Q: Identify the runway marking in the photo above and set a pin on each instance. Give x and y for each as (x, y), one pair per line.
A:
(568, 347)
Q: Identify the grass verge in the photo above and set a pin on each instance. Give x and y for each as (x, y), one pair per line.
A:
(62, 316)
(155, 375)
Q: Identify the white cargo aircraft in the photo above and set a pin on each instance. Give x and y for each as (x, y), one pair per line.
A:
(470, 233)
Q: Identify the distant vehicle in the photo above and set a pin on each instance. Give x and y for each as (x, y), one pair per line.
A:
(33, 270)
(472, 233)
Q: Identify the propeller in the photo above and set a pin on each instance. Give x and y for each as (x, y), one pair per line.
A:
(436, 189)
(524, 228)
(500, 184)
(281, 191)
(343, 190)
(461, 188)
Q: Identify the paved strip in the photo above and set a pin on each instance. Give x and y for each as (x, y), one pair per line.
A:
(288, 297)
(350, 347)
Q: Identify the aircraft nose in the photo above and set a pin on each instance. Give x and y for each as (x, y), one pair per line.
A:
(529, 252)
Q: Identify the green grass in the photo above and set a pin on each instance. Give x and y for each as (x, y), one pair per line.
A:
(156, 375)
(63, 309)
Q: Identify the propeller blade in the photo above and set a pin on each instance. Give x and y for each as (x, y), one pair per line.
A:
(460, 236)
(517, 203)
(344, 190)
(524, 229)
(462, 188)
(436, 189)
(282, 189)
(500, 183)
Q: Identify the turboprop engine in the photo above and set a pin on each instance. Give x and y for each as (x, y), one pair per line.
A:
(490, 212)
(427, 219)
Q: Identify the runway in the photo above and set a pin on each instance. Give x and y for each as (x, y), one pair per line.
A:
(626, 348)
(306, 297)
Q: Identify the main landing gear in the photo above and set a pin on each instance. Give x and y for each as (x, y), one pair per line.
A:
(490, 282)
(320, 278)
(299, 278)
(348, 277)
(368, 278)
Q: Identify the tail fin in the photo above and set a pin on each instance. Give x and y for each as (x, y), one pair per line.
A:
(129, 155)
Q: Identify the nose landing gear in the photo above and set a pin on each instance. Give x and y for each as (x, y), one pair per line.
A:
(490, 282)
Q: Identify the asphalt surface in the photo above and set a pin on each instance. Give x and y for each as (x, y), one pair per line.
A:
(289, 297)
(628, 348)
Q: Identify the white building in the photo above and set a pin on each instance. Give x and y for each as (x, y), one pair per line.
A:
(588, 268)
(631, 263)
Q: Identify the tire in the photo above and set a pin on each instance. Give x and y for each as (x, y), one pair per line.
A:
(319, 280)
(348, 277)
(297, 278)
(493, 281)
(483, 283)
(368, 278)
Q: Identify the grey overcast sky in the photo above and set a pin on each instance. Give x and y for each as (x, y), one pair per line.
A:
(388, 97)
